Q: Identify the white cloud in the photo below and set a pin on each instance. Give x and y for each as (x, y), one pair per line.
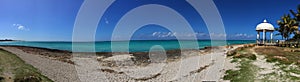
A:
(218, 35)
(243, 35)
(106, 21)
(20, 27)
(201, 35)
(163, 34)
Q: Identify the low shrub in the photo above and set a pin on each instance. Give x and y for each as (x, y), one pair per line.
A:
(252, 57)
(1, 79)
(230, 74)
(29, 78)
(246, 55)
(231, 53)
(275, 59)
(234, 60)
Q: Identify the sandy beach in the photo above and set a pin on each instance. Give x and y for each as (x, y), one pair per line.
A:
(208, 64)
(55, 70)
(193, 65)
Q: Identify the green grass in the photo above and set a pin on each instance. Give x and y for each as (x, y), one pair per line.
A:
(20, 71)
(246, 73)
(234, 60)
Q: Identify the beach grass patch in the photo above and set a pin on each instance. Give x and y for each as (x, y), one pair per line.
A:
(28, 78)
(246, 55)
(21, 72)
(295, 70)
(246, 73)
(231, 74)
(249, 72)
(242, 52)
(234, 60)
(1, 70)
(231, 53)
(285, 74)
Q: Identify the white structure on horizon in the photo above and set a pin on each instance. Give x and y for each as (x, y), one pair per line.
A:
(264, 27)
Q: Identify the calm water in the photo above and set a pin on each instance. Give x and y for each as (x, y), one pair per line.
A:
(134, 46)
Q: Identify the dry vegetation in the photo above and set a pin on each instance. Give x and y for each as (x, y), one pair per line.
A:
(280, 54)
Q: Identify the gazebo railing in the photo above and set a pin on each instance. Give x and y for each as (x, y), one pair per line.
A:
(295, 44)
(266, 42)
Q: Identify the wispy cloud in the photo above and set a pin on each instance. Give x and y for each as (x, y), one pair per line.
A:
(20, 27)
(106, 21)
(244, 35)
(163, 34)
(201, 35)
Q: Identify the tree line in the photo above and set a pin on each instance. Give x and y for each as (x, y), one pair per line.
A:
(288, 25)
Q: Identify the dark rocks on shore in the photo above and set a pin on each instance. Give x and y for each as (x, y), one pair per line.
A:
(61, 55)
(139, 58)
(142, 58)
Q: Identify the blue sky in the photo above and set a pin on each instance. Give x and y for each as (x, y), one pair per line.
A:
(53, 20)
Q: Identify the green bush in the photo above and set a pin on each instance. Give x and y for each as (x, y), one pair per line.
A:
(231, 53)
(230, 74)
(28, 78)
(252, 57)
(234, 60)
(246, 55)
(272, 59)
(1, 79)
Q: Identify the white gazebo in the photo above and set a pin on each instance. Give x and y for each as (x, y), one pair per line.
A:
(264, 27)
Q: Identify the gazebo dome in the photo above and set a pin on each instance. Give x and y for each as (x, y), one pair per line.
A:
(265, 26)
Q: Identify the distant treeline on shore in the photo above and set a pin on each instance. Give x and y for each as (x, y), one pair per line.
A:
(7, 40)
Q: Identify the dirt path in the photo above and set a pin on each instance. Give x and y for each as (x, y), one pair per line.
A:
(261, 62)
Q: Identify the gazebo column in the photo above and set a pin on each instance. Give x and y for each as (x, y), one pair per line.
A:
(271, 37)
(264, 36)
(257, 37)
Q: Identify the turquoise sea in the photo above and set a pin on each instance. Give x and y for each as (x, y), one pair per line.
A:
(134, 46)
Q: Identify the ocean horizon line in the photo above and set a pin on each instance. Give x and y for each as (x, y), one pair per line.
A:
(135, 40)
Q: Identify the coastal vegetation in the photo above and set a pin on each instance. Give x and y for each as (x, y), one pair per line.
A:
(281, 55)
(270, 63)
(289, 25)
(6, 40)
(246, 71)
(12, 68)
